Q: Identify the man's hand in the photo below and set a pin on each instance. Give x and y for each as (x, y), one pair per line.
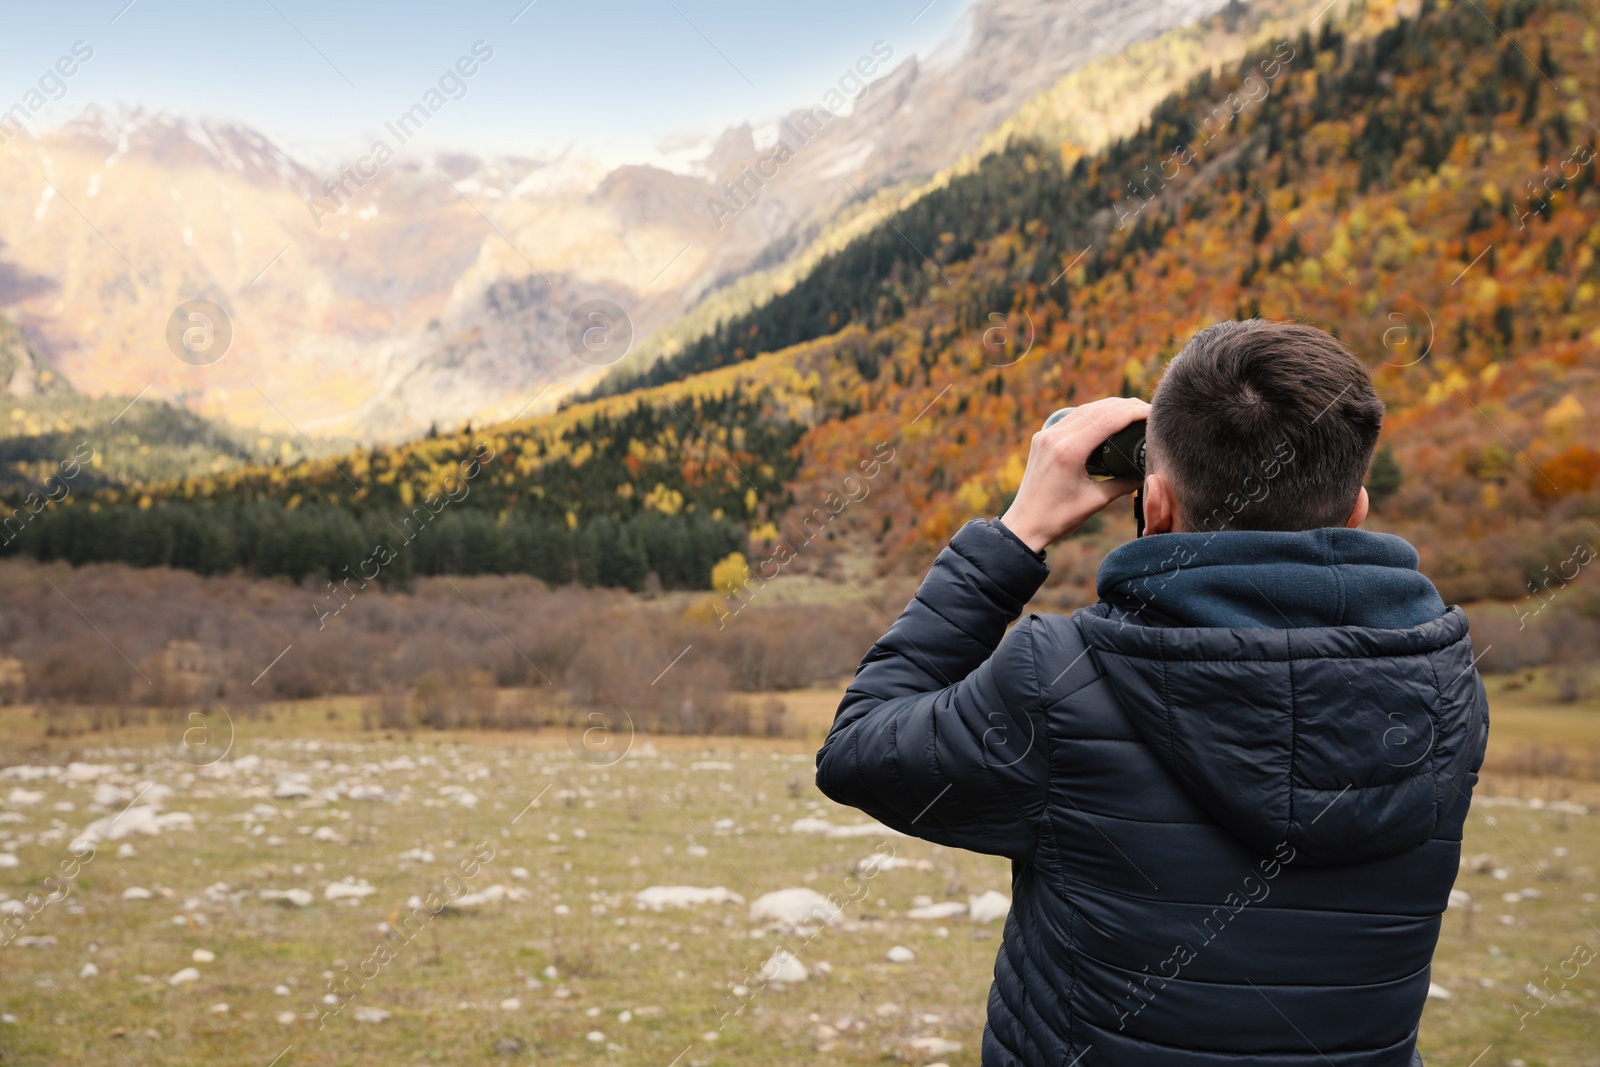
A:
(1057, 495)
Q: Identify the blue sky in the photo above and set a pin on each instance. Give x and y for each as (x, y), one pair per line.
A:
(322, 76)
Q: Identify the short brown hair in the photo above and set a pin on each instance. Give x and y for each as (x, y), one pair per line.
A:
(1264, 426)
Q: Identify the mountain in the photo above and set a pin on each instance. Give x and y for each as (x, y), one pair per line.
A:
(48, 429)
(441, 289)
(1424, 186)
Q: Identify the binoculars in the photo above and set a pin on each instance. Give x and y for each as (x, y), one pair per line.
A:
(1119, 456)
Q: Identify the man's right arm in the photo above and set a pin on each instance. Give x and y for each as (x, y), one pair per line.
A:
(938, 735)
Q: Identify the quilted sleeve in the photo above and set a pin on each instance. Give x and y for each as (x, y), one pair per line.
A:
(939, 735)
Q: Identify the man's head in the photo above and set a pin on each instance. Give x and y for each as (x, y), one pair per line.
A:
(1260, 426)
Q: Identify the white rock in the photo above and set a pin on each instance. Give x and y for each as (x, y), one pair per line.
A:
(326, 833)
(520, 874)
(218, 1009)
(873, 864)
(281, 990)
(188, 974)
(784, 966)
(900, 954)
(8, 859)
(863, 829)
(285, 1018)
(795, 907)
(300, 898)
(24, 798)
(710, 765)
(349, 889)
(810, 825)
(89, 970)
(366, 1013)
(944, 910)
(935, 1046)
(1459, 898)
(107, 795)
(596, 1036)
(658, 897)
(511, 1004)
(988, 907)
(136, 892)
(139, 819)
(1438, 992)
(203, 955)
(292, 787)
(416, 855)
(126, 851)
(494, 894)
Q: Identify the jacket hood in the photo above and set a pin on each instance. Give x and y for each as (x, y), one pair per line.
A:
(1305, 687)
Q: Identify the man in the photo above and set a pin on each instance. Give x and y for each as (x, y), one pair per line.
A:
(1232, 791)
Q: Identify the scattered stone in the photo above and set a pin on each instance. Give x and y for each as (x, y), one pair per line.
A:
(784, 966)
(935, 1046)
(794, 907)
(349, 889)
(660, 897)
(299, 898)
(988, 907)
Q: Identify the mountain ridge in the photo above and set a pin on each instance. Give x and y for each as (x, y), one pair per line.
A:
(115, 220)
(1447, 229)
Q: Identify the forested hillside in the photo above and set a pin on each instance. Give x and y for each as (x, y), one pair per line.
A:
(1427, 190)
(47, 428)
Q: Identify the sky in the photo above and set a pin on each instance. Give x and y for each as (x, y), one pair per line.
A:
(321, 77)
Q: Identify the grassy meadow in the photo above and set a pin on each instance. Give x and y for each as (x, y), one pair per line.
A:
(166, 952)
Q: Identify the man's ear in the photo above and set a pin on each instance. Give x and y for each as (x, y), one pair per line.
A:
(1160, 505)
(1358, 514)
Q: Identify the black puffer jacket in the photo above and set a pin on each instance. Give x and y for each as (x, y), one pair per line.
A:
(1232, 791)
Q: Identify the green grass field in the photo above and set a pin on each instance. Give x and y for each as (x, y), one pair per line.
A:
(573, 970)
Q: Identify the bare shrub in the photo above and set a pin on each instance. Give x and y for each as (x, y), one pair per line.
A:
(462, 652)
